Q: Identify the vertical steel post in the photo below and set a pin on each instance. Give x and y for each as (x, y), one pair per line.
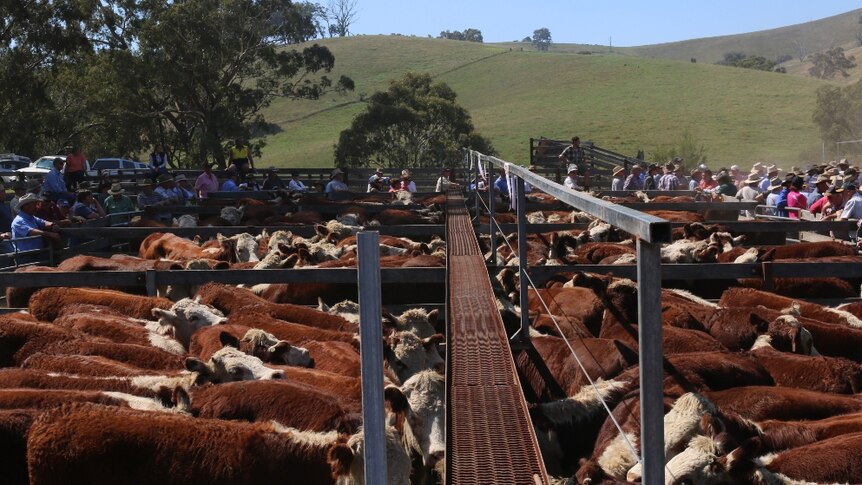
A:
(523, 264)
(371, 355)
(476, 192)
(492, 212)
(651, 368)
(150, 280)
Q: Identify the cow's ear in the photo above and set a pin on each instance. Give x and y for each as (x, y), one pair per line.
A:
(193, 364)
(758, 323)
(424, 248)
(290, 261)
(321, 230)
(437, 338)
(321, 305)
(741, 458)
(161, 312)
(390, 322)
(434, 320)
(279, 351)
(181, 400)
(228, 340)
(397, 400)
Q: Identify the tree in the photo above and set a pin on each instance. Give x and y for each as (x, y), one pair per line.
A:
(527, 39)
(837, 112)
(739, 59)
(413, 124)
(343, 14)
(542, 39)
(470, 35)
(688, 147)
(831, 62)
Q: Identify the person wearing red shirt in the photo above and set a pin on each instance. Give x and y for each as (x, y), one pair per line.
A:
(828, 205)
(75, 169)
(707, 182)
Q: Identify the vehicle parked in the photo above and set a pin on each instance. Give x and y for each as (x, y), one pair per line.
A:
(9, 164)
(113, 166)
(41, 166)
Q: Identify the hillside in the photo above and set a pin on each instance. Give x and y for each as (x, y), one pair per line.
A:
(812, 36)
(622, 103)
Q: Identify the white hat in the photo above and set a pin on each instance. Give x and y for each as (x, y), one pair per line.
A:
(572, 168)
(26, 199)
(335, 172)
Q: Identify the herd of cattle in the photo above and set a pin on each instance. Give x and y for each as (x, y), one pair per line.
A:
(225, 384)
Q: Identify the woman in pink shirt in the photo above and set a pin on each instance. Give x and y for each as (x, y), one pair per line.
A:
(206, 182)
(795, 198)
(707, 182)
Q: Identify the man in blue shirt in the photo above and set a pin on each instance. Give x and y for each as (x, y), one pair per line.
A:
(502, 185)
(336, 184)
(229, 185)
(26, 224)
(54, 187)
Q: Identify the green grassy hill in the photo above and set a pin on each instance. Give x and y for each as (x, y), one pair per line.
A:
(622, 103)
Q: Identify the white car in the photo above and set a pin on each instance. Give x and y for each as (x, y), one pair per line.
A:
(44, 165)
(113, 166)
(9, 165)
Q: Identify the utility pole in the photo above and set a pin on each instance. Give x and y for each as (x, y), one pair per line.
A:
(610, 44)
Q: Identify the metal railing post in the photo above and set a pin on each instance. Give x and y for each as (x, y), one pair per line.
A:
(150, 280)
(476, 186)
(651, 368)
(371, 355)
(523, 263)
(492, 212)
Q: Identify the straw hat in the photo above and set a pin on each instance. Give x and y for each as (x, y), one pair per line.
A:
(775, 183)
(753, 178)
(116, 189)
(771, 169)
(145, 183)
(820, 178)
(617, 170)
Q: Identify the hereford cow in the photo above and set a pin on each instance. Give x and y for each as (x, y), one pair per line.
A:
(46, 303)
(289, 403)
(65, 443)
(187, 316)
(208, 340)
(229, 299)
(747, 297)
(54, 398)
(102, 321)
(169, 246)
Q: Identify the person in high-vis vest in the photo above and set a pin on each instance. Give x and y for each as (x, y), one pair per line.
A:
(240, 156)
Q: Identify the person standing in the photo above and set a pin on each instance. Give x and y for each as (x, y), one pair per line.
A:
(158, 161)
(206, 182)
(633, 181)
(618, 181)
(117, 202)
(574, 154)
(651, 180)
(239, 156)
(76, 166)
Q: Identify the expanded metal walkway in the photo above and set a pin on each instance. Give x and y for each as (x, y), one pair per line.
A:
(489, 436)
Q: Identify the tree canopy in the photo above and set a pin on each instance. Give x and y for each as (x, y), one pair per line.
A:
(415, 123)
(760, 63)
(469, 35)
(838, 112)
(542, 39)
(828, 64)
(120, 76)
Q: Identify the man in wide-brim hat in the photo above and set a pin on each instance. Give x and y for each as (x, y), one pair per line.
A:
(26, 224)
(749, 191)
(117, 201)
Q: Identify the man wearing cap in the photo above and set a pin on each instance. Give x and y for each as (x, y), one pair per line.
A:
(575, 155)
(147, 197)
(828, 206)
(853, 205)
(117, 201)
(274, 182)
(618, 173)
(26, 224)
(336, 183)
(633, 181)
(571, 180)
(54, 187)
(87, 206)
(206, 182)
(377, 182)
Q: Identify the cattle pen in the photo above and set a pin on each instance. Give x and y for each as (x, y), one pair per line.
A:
(491, 415)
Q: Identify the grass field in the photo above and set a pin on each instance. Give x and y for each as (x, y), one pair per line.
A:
(622, 103)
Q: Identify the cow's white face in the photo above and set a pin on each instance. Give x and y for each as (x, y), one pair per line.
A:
(231, 364)
(187, 220)
(408, 354)
(418, 321)
(188, 315)
(425, 392)
(246, 248)
(232, 214)
(275, 350)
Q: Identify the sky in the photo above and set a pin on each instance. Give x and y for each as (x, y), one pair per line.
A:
(623, 23)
